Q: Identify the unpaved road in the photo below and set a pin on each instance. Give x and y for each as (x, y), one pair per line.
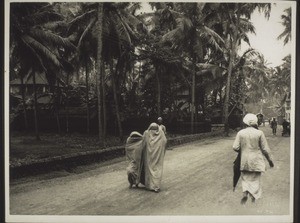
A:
(197, 180)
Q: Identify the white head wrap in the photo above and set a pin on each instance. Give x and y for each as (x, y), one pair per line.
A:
(250, 119)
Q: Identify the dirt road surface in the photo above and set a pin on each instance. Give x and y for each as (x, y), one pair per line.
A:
(197, 180)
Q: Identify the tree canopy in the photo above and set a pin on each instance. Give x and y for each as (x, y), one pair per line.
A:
(179, 61)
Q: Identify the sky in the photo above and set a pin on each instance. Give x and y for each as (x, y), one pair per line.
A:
(267, 30)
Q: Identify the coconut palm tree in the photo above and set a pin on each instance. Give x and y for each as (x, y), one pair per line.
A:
(234, 18)
(118, 32)
(35, 45)
(186, 35)
(99, 31)
(280, 83)
(257, 79)
(286, 22)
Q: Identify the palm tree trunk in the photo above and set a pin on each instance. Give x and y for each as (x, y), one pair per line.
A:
(104, 103)
(234, 46)
(193, 97)
(98, 68)
(87, 98)
(24, 101)
(67, 103)
(226, 101)
(57, 103)
(113, 79)
(158, 91)
(37, 134)
(228, 85)
(140, 74)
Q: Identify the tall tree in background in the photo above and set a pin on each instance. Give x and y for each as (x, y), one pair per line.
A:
(190, 46)
(35, 45)
(238, 15)
(283, 72)
(286, 22)
(118, 30)
(87, 26)
(190, 36)
(98, 68)
(257, 76)
(280, 83)
(86, 55)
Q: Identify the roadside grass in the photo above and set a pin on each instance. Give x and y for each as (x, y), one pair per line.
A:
(24, 148)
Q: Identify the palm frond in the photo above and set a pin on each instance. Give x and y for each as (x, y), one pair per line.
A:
(174, 14)
(133, 22)
(44, 17)
(66, 65)
(184, 24)
(134, 7)
(287, 36)
(255, 68)
(47, 7)
(130, 19)
(146, 15)
(86, 31)
(38, 47)
(250, 51)
(246, 26)
(172, 36)
(287, 59)
(125, 32)
(35, 55)
(213, 38)
(200, 6)
(286, 22)
(183, 28)
(244, 37)
(52, 38)
(215, 70)
(84, 18)
(55, 25)
(265, 8)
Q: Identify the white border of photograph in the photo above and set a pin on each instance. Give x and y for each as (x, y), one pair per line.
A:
(146, 219)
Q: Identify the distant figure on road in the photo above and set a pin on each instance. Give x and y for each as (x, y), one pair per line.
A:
(151, 169)
(133, 150)
(159, 122)
(285, 127)
(274, 126)
(252, 144)
(260, 118)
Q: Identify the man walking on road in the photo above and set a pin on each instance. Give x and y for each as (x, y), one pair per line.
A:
(252, 144)
(274, 126)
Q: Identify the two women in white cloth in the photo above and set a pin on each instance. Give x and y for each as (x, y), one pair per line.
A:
(145, 154)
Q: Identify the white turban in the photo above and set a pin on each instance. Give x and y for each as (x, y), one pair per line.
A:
(250, 119)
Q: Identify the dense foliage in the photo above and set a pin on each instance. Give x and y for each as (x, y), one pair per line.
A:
(113, 63)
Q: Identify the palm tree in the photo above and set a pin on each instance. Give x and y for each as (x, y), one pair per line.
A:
(280, 83)
(286, 22)
(118, 32)
(99, 74)
(85, 57)
(187, 35)
(236, 24)
(34, 45)
(257, 78)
